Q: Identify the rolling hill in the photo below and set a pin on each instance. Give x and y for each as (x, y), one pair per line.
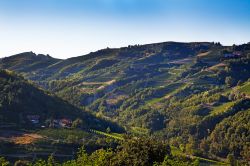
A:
(183, 92)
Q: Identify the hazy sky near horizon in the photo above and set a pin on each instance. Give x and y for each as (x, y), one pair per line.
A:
(67, 28)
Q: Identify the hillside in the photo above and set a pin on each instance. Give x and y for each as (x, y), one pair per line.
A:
(182, 92)
(86, 77)
(22, 103)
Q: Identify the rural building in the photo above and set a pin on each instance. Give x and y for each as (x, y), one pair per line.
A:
(65, 122)
(235, 54)
(33, 118)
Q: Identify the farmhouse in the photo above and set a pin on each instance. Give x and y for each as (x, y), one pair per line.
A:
(237, 53)
(33, 118)
(65, 122)
(61, 123)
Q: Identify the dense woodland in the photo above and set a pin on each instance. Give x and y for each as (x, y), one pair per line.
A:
(131, 152)
(193, 96)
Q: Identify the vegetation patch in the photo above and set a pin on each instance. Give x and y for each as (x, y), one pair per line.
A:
(222, 108)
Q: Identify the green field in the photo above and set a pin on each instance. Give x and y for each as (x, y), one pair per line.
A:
(116, 136)
(245, 88)
(139, 130)
(203, 161)
(222, 108)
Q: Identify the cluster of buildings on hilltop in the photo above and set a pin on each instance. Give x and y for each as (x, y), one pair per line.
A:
(56, 123)
(61, 123)
(235, 54)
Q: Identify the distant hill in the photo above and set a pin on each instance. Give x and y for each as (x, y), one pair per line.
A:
(27, 61)
(50, 68)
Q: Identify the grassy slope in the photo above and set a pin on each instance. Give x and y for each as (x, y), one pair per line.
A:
(222, 108)
(245, 88)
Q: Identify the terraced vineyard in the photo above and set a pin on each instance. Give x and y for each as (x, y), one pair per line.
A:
(181, 93)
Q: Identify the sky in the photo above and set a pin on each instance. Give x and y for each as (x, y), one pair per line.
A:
(69, 28)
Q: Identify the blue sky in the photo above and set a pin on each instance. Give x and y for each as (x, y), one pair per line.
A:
(66, 28)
